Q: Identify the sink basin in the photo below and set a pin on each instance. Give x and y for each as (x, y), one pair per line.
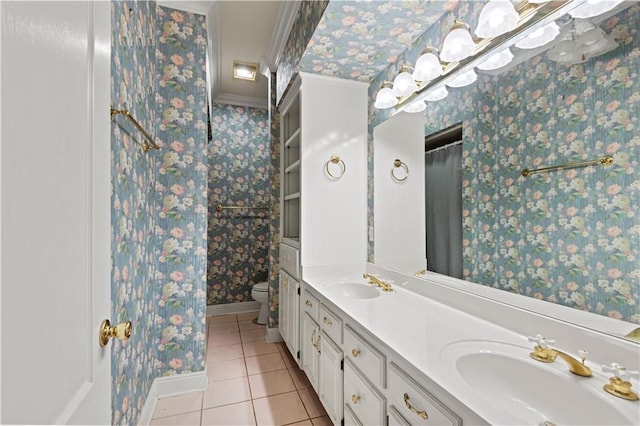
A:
(354, 290)
(504, 377)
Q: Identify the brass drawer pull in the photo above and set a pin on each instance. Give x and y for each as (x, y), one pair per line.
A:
(309, 304)
(327, 322)
(355, 398)
(355, 353)
(318, 342)
(423, 414)
(313, 335)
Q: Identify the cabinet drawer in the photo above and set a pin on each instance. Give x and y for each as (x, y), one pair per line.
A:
(289, 260)
(359, 395)
(330, 324)
(414, 403)
(310, 304)
(364, 356)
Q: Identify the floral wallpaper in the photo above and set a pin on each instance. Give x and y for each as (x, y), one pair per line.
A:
(181, 231)
(567, 237)
(133, 204)
(358, 39)
(309, 15)
(239, 175)
(158, 199)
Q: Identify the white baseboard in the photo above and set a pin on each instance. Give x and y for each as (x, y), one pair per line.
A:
(233, 308)
(171, 386)
(273, 335)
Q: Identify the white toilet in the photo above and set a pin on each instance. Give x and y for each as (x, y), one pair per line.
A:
(260, 293)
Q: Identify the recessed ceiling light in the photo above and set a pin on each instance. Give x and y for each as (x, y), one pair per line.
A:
(245, 70)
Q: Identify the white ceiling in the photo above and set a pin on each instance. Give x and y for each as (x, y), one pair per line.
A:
(244, 30)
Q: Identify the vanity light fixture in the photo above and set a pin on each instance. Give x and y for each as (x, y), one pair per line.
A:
(385, 97)
(404, 84)
(540, 37)
(428, 65)
(437, 94)
(458, 43)
(416, 106)
(496, 18)
(591, 8)
(497, 60)
(463, 79)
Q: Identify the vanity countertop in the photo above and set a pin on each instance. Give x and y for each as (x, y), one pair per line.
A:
(430, 335)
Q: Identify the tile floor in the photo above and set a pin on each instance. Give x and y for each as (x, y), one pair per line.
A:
(251, 382)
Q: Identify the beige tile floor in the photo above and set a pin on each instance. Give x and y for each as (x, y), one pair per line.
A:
(251, 382)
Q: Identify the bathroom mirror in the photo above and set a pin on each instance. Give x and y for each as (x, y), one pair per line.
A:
(567, 236)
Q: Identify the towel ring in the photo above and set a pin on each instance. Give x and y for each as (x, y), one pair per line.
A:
(335, 159)
(396, 165)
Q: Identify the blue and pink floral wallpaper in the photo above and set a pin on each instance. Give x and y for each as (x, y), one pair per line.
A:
(307, 19)
(567, 237)
(158, 199)
(239, 159)
(181, 230)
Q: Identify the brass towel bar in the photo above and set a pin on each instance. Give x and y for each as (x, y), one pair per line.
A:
(604, 161)
(149, 143)
(220, 208)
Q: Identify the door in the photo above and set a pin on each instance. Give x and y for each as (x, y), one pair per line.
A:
(293, 315)
(283, 309)
(54, 212)
(330, 378)
(309, 348)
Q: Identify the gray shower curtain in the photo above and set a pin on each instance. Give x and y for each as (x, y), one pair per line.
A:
(443, 198)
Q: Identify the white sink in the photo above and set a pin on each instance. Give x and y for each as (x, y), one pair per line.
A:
(506, 378)
(354, 290)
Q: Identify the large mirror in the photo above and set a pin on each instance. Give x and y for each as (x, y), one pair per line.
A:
(569, 236)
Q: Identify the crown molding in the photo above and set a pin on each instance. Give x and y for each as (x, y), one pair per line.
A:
(286, 17)
(246, 101)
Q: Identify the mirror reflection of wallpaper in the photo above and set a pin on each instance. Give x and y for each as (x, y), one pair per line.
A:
(570, 237)
(238, 240)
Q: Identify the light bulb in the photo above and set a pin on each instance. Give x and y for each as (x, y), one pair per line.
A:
(496, 18)
(463, 79)
(427, 66)
(385, 97)
(416, 106)
(437, 94)
(497, 60)
(458, 44)
(404, 84)
(539, 37)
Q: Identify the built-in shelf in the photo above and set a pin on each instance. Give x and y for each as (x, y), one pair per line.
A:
(294, 140)
(293, 196)
(293, 167)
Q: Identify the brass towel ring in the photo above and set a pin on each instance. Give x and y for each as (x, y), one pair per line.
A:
(335, 159)
(397, 164)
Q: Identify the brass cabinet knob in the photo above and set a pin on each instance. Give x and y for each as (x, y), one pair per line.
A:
(355, 398)
(121, 331)
(309, 304)
(327, 322)
(355, 353)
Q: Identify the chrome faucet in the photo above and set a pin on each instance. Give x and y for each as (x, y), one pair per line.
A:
(543, 353)
(385, 286)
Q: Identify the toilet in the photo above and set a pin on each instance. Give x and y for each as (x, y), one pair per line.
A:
(260, 293)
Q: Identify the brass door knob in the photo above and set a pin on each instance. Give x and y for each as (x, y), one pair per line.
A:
(355, 398)
(355, 353)
(121, 331)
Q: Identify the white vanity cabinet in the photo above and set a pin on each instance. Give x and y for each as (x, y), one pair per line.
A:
(310, 355)
(289, 299)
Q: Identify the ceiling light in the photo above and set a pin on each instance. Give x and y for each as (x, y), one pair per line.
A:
(539, 37)
(245, 70)
(592, 41)
(417, 106)
(385, 97)
(458, 44)
(564, 52)
(404, 84)
(428, 66)
(464, 79)
(437, 94)
(592, 8)
(496, 18)
(497, 60)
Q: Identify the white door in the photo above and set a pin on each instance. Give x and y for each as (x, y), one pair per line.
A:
(54, 211)
(330, 378)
